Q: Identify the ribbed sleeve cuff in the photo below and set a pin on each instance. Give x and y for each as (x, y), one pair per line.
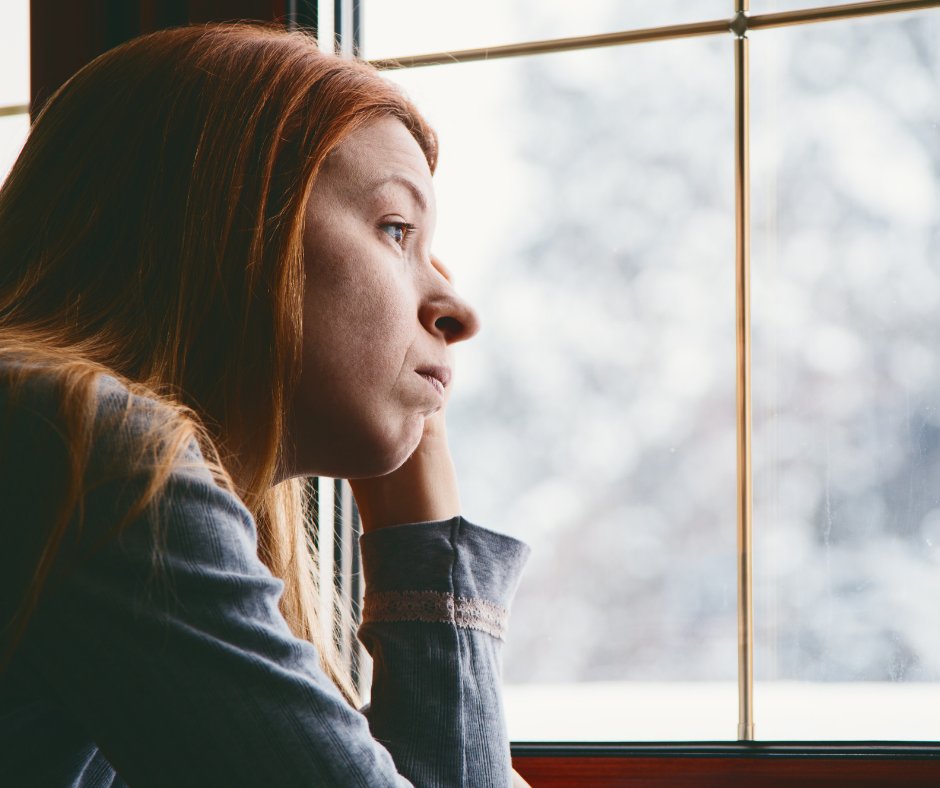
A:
(447, 571)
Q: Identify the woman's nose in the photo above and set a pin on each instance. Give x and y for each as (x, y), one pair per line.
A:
(445, 312)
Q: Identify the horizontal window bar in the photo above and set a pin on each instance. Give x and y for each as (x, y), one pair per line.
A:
(558, 45)
(670, 32)
(833, 12)
(18, 109)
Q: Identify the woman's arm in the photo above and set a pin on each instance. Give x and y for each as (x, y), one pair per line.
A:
(167, 647)
(471, 605)
(434, 620)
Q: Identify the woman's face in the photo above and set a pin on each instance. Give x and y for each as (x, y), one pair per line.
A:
(379, 314)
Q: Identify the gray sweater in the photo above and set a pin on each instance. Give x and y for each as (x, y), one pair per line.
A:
(158, 657)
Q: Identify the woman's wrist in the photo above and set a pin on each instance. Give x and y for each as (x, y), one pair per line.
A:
(422, 490)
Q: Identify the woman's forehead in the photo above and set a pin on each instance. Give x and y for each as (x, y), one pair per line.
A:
(378, 157)
(379, 148)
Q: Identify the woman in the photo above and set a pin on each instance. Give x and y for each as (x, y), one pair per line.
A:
(215, 279)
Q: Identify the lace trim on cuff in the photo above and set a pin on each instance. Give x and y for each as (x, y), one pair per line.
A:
(436, 608)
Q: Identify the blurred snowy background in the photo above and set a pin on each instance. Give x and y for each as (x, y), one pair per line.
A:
(846, 306)
(586, 208)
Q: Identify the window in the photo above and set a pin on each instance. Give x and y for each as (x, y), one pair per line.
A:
(587, 207)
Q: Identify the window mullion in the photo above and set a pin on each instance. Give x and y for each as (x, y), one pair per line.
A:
(743, 374)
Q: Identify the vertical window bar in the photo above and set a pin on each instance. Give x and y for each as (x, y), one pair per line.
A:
(743, 375)
(344, 539)
(340, 543)
(345, 16)
(325, 535)
(347, 26)
(337, 558)
(357, 27)
(357, 591)
(303, 15)
(311, 512)
(338, 26)
(334, 523)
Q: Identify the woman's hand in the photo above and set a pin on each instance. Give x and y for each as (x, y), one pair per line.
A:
(423, 489)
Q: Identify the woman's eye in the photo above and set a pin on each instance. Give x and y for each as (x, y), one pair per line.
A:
(397, 232)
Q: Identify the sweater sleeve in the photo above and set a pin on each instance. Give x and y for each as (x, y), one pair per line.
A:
(434, 620)
(165, 644)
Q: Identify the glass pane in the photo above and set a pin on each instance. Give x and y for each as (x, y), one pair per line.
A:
(13, 131)
(14, 53)
(393, 28)
(846, 310)
(14, 80)
(586, 208)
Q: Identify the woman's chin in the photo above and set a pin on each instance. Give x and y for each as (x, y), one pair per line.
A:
(361, 453)
(387, 453)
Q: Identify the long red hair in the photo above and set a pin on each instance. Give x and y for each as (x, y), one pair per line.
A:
(151, 229)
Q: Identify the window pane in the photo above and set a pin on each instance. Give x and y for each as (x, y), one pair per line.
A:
(393, 28)
(14, 80)
(586, 208)
(847, 378)
(13, 131)
(14, 53)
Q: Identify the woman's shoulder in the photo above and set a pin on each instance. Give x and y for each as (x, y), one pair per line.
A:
(134, 459)
(90, 411)
(41, 386)
(94, 449)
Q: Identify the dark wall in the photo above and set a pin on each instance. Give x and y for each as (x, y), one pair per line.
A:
(67, 34)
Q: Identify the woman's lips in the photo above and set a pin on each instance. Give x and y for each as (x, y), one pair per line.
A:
(438, 377)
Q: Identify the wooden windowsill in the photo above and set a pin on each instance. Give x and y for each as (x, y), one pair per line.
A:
(765, 764)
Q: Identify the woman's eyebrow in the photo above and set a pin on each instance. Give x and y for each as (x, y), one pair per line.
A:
(402, 180)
